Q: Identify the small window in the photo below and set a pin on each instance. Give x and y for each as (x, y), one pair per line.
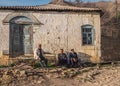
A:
(87, 34)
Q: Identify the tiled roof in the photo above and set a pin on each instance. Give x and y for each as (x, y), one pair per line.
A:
(50, 7)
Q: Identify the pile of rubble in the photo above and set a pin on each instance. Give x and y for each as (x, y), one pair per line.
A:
(26, 75)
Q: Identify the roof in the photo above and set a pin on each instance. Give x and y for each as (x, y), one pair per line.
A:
(50, 7)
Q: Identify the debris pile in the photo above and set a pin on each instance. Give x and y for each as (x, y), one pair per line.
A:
(26, 75)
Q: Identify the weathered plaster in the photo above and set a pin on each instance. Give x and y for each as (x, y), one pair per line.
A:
(15, 14)
(59, 30)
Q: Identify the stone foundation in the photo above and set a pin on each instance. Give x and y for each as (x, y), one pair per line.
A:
(4, 60)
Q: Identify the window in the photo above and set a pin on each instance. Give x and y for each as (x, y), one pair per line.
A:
(87, 34)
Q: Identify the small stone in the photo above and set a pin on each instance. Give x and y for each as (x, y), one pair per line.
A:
(39, 82)
(29, 74)
(48, 76)
(52, 71)
(30, 78)
(22, 73)
(27, 67)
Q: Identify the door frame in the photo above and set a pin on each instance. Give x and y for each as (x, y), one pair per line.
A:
(11, 45)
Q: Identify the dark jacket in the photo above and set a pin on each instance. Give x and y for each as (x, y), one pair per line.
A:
(73, 55)
(62, 56)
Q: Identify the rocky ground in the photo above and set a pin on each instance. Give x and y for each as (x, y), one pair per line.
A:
(25, 75)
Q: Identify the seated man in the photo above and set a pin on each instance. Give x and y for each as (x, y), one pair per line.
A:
(62, 58)
(74, 58)
(39, 54)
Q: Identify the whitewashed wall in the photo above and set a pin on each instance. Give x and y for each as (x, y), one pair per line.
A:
(59, 30)
(63, 30)
(4, 32)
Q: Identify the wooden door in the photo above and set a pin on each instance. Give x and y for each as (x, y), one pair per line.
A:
(28, 39)
(21, 40)
(16, 40)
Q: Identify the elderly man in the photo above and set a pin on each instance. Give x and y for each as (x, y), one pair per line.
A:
(39, 54)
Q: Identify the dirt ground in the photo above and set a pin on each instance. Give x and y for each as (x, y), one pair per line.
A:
(106, 77)
(88, 76)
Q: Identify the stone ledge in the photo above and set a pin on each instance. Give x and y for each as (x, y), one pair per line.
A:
(4, 52)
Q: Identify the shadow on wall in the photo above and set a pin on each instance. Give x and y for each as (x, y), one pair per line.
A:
(84, 57)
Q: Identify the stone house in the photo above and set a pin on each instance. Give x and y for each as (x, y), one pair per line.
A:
(22, 28)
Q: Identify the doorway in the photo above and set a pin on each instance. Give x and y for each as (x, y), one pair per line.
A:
(21, 37)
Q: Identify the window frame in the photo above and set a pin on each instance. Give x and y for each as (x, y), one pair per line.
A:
(91, 32)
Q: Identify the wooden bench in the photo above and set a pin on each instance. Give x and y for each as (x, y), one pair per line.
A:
(51, 58)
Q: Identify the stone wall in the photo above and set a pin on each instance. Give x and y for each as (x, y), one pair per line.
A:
(110, 43)
(111, 39)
